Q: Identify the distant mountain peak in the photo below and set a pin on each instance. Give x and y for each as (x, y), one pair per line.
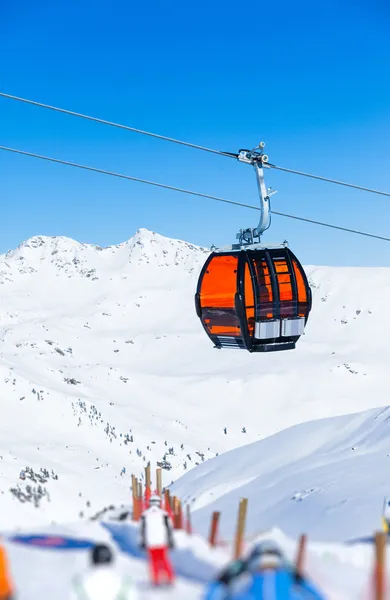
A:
(153, 248)
(47, 244)
(70, 257)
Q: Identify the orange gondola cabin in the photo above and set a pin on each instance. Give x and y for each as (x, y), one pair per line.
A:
(253, 296)
(258, 300)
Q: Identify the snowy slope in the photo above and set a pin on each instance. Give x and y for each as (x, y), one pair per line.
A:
(326, 478)
(104, 365)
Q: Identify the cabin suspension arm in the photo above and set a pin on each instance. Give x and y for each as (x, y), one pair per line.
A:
(258, 160)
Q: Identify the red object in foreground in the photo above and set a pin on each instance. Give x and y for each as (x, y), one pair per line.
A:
(160, 565)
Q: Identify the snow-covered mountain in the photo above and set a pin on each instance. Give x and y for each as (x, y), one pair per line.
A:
(104, 365)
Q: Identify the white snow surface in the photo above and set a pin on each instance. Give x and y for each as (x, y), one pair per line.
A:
(104, 365)
(48, 572)
(342, 572)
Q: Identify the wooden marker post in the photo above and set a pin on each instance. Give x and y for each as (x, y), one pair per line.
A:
(179, 515)
(380, 566)
(134, 488)
(240, 528)
(148, 479)
(213, 535)
(175, 510)
(167, 503)
(301, 552)
(159, 481)
(188, 520)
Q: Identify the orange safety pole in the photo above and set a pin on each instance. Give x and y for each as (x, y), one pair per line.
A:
(148, 493)
(6, 583)
(214, 528)
(137, 501)
(380, 566)
(188, 520)
(134, 485)
(148, 485)
(300, 559)
(137, 509)
(148, 479)
(238, 541)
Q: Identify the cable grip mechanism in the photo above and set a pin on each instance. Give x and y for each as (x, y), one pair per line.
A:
(258, 160)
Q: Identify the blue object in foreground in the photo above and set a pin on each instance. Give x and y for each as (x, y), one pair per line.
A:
(280, 583)
(52, 542)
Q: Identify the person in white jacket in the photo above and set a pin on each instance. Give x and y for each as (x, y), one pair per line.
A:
(156, 537)
(101, 581)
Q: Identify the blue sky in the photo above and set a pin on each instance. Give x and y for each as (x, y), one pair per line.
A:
(311, 79)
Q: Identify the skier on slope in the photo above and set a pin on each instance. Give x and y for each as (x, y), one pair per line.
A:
(156, 537)
(102, 581)
(264, 573)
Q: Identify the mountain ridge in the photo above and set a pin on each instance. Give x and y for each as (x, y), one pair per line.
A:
(70, 257)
